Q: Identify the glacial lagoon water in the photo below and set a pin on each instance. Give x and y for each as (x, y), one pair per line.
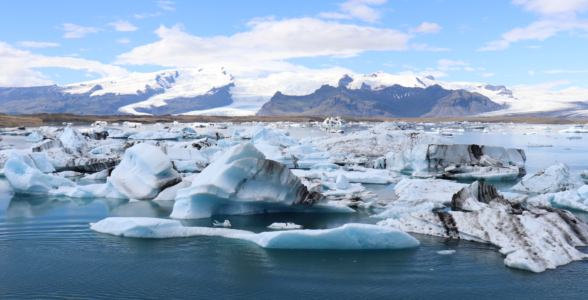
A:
(48, 251)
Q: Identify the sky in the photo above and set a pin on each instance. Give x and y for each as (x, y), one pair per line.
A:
(539, 44)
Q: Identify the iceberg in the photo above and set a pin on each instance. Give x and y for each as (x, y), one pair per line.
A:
(73, 139)
(459, 161)
(378, 141)
(34, 137)
(242, 181)
(366, 176)
(574, 199)
(533, 238)
(418, 196)
(160, 135)
(348, 236)
(144, 172)
(25, 178)
(284, 226)
(554, 179)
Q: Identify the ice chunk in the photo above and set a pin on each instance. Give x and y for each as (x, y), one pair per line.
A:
(348, 236)
(73, 139)
(446, 252)
(365, 176)
(342, 182)
(160, 135)
(102, 175)
(106, 190)
(554, 179)
(537, 239)
(241, 181)
(144, 172)
(377, 141)
(34, 137)
(575, 199)
(226, 223)
(458, 161)
(25, 178)
(284, 226)
(42, 163)
(440, 191)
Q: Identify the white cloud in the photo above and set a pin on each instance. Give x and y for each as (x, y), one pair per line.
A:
(549, 7)
(495, 45)
(389, 64)
(17, 67)
(446, 64)
(555, 16)
(425, 47)
(123, 41)
(436, 74)
(531, 73)
(488, 74)
(265, 41)
(75, 31)
(356, 9)
(122, 25)
(545, 86)
(166, 5)
(146, 15)
(29, 44)
(469, 69)
(333, 15)
(426, 27)
(410, 67)
(563, 71)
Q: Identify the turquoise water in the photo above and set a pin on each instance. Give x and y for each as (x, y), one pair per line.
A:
(48, 251)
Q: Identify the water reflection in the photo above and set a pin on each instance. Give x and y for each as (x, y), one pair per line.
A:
(25, 207)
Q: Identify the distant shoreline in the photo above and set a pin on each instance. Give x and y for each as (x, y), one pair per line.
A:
(46, 119)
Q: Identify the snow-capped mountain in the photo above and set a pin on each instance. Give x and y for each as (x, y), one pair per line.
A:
(218, 91)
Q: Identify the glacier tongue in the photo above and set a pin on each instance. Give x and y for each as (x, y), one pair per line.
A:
(348, 236)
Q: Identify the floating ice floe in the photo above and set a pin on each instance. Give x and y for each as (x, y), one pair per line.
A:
(73, 139)
(377, 141)
(419, 195)
(366, 176)
(159, 135)
(226, 223)
(144, 172)
(25, 178)
(348, 236)
(119, 134)
(532, 238)
(242, 181)
(284, 226)
(574, 199)
(446, 252)
(34, 137)
(459, 161)
(554, 179)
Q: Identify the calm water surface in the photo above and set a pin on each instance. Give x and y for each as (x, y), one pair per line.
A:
(48, 251)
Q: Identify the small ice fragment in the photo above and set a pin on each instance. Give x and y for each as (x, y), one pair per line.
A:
(226, 223)
(446, 252)
(288, 225)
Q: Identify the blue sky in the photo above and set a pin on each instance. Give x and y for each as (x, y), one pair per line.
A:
(519, 42)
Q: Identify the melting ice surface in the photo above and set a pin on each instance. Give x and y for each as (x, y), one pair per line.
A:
(46, 239)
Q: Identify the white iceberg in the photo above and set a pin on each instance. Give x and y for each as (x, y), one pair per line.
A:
(459, 161)
(539, 238)
(24, 177)
(73, 139)
(348, 236)
(366, 176)
(144, 172)
(574, 199)
(34, 137)
(377, 141)
(241, 181)
(554, 179)
(160, 135)
(287, 225)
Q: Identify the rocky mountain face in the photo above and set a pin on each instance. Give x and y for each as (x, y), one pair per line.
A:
(392, 101)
